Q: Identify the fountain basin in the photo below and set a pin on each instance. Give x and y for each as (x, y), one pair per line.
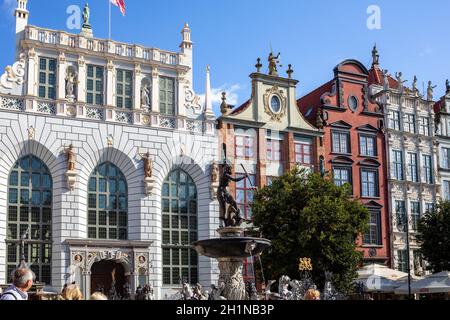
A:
(233, 247)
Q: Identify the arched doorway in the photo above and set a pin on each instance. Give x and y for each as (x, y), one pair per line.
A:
(109, 277)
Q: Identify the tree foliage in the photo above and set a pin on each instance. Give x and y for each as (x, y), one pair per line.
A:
(434, 237)
(305, 215)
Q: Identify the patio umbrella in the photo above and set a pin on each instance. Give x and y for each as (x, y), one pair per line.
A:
(436, 283)
(379, 278)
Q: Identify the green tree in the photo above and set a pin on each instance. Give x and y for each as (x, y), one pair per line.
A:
(305, 215)
(434, 237)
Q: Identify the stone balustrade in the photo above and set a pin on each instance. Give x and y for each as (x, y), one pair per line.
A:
(137, 117)
(63, 39)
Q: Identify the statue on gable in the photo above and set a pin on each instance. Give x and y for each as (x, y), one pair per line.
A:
(385, 80)
(447, 87)
(273, 64)
(401, 82)
(414, 86)
(430, 91)
(86, 15)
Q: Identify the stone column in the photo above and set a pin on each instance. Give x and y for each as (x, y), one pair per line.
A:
(62, 67)
(231, 279)
(110, 84)
(81, 80)
(137, 86)
(180, 95)
(32, 76)
(87, 284)
(155, 90)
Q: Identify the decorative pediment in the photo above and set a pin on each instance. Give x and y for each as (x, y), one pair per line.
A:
(342, 160)
(341, 125)
(373, 205)
(275, 103)
(369, 163)
(367, 128)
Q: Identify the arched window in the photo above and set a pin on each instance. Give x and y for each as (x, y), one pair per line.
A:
(30, 208)
(108, 204)
(179, 224)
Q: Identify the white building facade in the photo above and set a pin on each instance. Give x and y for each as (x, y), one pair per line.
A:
(442, 121)
(414, 185)
(126, 210)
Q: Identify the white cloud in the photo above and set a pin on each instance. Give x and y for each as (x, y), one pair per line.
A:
(426, 51)
(232, 95)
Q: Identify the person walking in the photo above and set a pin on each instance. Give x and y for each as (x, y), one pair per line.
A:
(22, 283)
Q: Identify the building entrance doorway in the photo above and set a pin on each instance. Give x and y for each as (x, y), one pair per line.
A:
(108, 276)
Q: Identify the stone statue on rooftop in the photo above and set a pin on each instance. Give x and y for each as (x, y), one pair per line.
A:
(273, 64)
(86, 14)
(430, 91)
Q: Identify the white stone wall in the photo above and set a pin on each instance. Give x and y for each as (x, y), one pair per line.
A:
(406, 142)
(89, 138)
(444, 143)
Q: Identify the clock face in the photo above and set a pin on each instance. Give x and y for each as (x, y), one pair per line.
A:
(275, 104)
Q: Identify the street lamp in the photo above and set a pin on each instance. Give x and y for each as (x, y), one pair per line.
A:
(403, 221)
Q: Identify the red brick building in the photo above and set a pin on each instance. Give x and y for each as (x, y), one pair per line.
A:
(266, 136)
(354, 149)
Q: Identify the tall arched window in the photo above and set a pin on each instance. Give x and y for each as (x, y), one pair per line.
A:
(179, 224)
(108, 204)
(30, 208)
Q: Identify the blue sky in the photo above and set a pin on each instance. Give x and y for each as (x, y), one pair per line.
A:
(229, 35)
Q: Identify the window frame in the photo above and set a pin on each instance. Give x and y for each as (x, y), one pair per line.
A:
(48, 87)
(410, 123)
(424, 126)
(416, 214)
(340, 134)
(413, 167)
(376, 183)
(25, 210)
(428, 168)
(172, 223)
(349, 170)
(248, 146)
(273, 154)
(376, 239)
(167, 107)
(398, 174)
(123, 97)
(245, 187)
(304, 146)
(95, 93)
(394, 120)
(112, 215)
(375, 147)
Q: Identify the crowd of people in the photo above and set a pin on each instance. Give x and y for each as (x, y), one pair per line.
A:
(22, 281)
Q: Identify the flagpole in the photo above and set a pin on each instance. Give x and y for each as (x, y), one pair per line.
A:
(109, 1)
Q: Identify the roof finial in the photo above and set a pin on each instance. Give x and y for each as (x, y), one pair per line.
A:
(375, 56)
(208, 95)
(258, 65)
(290, 71)
(224, 106)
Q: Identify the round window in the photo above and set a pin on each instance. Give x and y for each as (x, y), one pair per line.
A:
(275, 104)
(353, 103)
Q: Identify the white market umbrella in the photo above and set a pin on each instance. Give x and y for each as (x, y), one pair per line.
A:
(379, 278)
(436, 283)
